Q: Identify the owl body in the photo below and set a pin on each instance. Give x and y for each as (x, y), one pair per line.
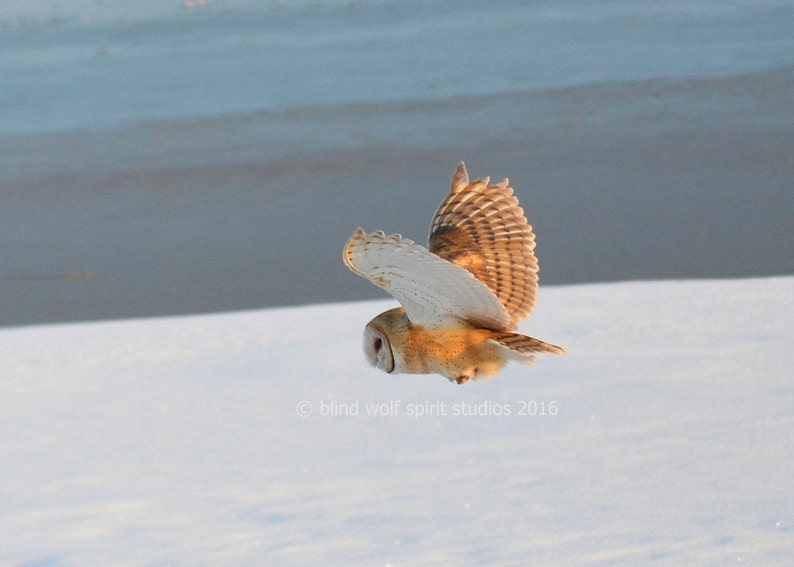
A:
(455, 352)
(461, 297)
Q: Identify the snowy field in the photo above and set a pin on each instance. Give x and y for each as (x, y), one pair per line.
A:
(253, 438)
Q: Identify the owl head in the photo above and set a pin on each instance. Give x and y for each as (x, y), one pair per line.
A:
(381, 334)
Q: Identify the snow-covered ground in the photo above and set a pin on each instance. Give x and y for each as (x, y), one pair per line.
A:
(663, 437)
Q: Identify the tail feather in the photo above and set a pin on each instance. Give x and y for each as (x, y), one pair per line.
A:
(523, 345)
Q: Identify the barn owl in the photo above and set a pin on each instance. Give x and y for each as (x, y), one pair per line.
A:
(462, 296)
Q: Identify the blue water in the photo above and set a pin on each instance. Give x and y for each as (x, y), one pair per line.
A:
(87, 64)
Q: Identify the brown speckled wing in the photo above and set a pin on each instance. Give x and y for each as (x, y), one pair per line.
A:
(481, 227)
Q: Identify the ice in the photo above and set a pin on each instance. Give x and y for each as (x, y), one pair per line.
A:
(87, 64)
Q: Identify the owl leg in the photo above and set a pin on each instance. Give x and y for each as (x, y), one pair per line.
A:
(462, 379)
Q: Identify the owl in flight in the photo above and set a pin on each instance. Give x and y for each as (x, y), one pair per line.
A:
(462, 296)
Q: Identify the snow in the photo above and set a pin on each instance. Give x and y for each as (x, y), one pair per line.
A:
(663, 437)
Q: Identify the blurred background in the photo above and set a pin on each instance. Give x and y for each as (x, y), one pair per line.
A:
(162, 158)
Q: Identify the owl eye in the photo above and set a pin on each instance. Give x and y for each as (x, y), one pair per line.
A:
(377, 349)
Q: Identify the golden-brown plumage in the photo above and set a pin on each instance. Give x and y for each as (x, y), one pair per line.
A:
(462, 296)
(481, 228)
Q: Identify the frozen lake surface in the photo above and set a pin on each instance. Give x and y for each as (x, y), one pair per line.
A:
(87, 64)
(162, 158)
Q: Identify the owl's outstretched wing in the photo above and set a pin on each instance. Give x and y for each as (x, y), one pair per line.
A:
(481, 228)
(433, 291)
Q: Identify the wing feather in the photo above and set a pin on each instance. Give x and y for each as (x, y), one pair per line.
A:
(433, 291)
(481, 228)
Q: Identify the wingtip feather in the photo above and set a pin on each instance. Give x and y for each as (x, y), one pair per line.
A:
(355, 238)
(460, 179)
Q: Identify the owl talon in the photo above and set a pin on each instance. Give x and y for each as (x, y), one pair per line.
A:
(462, 379)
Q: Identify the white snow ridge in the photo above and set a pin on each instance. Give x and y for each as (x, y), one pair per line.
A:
(663, 437)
